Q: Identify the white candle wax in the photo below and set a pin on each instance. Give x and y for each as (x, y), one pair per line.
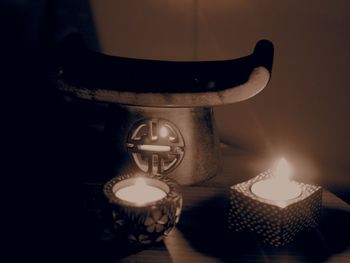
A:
(140, 193)
(279, 187)
(277, 190)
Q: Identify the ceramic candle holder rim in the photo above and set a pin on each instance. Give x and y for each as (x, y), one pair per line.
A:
(169, 186)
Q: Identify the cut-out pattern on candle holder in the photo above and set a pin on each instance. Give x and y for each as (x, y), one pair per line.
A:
(156, 146)
(275, 223)
(149, 223)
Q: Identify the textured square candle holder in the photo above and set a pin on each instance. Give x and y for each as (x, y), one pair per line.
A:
(274, 222)
(146, 212)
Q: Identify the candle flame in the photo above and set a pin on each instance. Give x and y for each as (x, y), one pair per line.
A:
(279, 188)
(282, 170)
(163, 132)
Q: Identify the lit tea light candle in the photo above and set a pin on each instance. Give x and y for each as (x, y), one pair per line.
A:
(274, 207)
(144, 208)
(140, 193)
(154, 148)
(279, 187)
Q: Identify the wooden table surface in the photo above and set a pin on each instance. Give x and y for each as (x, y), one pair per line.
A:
(202, 234)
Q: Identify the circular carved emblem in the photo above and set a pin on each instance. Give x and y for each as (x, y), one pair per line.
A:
(156, 146)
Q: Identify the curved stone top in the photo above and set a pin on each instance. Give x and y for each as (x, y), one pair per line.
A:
(96, 76)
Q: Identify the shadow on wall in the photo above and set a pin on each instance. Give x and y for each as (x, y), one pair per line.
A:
(302, 114)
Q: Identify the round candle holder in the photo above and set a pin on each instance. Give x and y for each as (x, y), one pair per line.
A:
(144, 222)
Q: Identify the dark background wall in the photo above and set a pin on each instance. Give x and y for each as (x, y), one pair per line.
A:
(303, 114)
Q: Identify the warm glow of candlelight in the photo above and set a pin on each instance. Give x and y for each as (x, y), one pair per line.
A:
(163, 132)
(282, 170)
(279, 187)
(140, 192)
(154, 148)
